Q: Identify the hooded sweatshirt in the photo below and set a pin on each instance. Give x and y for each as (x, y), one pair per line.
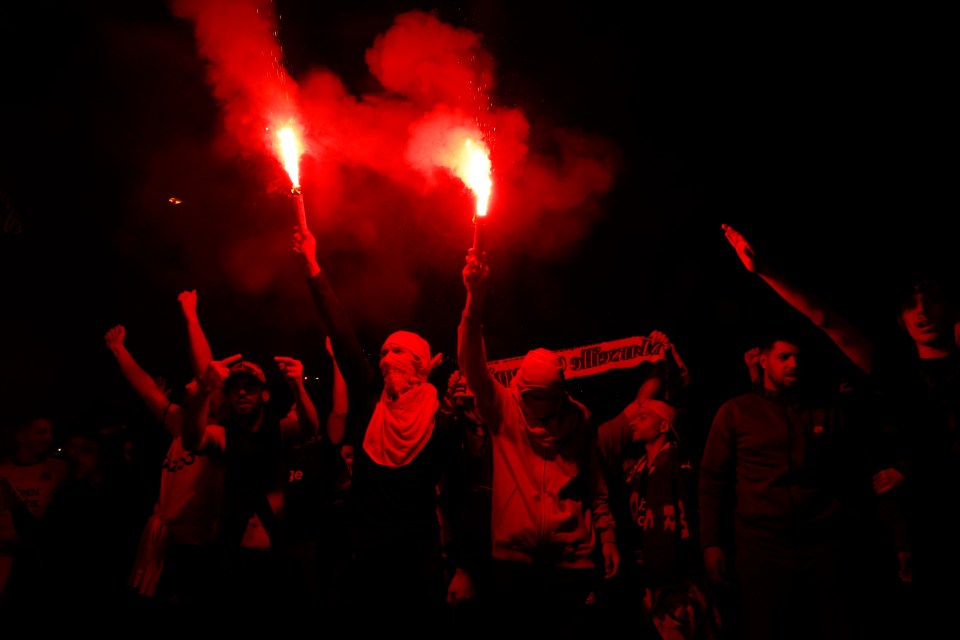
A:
(549, 495)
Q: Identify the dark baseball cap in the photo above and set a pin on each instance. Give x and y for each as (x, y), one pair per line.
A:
(245, 367)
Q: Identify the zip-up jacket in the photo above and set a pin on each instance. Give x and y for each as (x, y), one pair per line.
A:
(780, 464)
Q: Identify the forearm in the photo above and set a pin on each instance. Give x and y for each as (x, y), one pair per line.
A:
(845, 335)
(195, 418)
(337, 419)
(142, 383)
(335, 322)
(200, 353)
(340, 398)
(307, 418)
(650, 388)
(471, 357)
(603, 520)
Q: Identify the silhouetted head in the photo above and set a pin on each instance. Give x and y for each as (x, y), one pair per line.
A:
(540, 383)
(925, 309)
(780, 362)
(651, 420)
(245, 389)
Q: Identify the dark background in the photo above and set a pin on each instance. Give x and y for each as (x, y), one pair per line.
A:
(825, 136)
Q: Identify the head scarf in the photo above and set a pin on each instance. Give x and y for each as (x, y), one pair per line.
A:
(542, 369)
(399, 429)
(415, 357)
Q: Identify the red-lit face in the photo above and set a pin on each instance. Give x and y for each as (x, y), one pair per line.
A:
(83, 454)
(925, 318)
(245, 394)
(397, 366)
(780, 365)
(646, 426)
(37, 437)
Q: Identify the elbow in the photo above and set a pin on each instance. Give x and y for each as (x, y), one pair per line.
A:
(820, 318)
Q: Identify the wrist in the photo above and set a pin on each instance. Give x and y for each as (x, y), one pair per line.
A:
(207, 389)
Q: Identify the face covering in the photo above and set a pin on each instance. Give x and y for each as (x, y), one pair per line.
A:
(402, 421)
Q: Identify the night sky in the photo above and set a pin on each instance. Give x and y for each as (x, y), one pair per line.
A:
(825, 137)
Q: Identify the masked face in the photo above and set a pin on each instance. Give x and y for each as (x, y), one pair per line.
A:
(397, 369)
(542, 403)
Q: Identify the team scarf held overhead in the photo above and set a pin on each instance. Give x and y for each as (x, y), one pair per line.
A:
(590, 359)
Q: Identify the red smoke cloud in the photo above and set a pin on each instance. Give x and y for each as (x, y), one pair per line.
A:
(376, 185)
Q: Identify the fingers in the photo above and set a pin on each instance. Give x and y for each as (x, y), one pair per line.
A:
(285, 360)
(115, 334)
(884, 481)
(230, 360)
(659, 336)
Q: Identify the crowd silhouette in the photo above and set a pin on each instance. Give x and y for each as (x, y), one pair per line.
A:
(814, 503)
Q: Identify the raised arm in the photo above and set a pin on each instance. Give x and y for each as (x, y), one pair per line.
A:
(356, 369)
(337, 418)
(471, 356)
(200, 353)
(303, 423)
(197, 413)
(159, 405)
(854, 344)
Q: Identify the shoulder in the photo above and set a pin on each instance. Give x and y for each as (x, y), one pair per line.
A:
(215, 437)
(737, 402)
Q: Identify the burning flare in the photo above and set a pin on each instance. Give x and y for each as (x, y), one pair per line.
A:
(290, 151)
(474, 169)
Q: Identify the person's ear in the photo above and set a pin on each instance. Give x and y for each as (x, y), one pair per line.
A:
(265, 395)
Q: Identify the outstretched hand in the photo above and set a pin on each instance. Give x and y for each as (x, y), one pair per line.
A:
(216, 373)
(291, 369)
(114, 338)
(659, 337)
(455, 385)
(188, 301)
(746, 253)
